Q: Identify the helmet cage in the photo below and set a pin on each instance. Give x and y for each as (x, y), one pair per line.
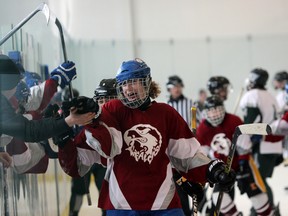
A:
(137, 93)
(214, 115)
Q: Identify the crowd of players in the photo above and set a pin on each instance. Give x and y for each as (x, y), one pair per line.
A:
(134, 145)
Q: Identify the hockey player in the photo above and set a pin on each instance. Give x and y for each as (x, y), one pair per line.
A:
(260, 106)
(215, 134)
(16, 125)
(105, 92)
(142, 140)
(279, 82)
(220, 86)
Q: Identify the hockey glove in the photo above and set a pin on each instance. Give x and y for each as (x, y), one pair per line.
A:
(51, 111)
(64, 73)
(83, 105)
(189, 187)
(216, 174)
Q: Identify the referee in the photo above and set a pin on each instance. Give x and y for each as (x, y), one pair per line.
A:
(183, 105)
(177, 100)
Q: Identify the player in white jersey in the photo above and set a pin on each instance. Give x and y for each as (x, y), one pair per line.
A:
(261, 106)
(141, 140)
(279, 82)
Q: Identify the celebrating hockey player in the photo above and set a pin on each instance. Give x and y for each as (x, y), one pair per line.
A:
(215, 134)
(142, 140)
(18, 126)
(259, 106)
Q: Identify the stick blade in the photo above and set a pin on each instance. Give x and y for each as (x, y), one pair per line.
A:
(255, 128)
(45, 10)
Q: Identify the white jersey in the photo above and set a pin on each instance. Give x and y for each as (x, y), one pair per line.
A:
(260, 106)
(281, 99)
(264, 101)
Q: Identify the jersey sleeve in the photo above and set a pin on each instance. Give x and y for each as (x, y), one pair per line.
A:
(31, 131)
(41, 95)
(184, 150)
(77, 157)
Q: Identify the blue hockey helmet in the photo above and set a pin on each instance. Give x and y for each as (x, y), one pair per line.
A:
(132, 69)
(22, 92)
(133, 73)
(32, 78)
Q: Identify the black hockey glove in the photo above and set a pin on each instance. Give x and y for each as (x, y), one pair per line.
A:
(62, 139)
(51, 111)
(189, 187)
(216, 175)
(83, 105)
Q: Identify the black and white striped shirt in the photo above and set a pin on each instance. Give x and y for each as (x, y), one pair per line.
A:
(183, 106)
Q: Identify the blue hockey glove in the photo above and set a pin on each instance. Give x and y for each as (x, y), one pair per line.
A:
(64, 73)
(216, 174)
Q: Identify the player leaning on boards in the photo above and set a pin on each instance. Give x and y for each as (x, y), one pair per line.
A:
(16, 125)
(142, 140)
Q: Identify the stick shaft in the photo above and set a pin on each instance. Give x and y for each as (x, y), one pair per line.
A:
(19, 25)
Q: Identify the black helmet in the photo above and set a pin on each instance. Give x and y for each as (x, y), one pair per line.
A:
(217, 82)
(214, 110)
(281, 76)
(106, 88)
(173, 81)
(212, 102)
(258, 78)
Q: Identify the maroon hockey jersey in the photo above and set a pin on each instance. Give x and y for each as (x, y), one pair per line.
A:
(141, 147)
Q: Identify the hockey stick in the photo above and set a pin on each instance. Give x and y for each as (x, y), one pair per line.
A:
(251, 129)
(193, 127)
(59, 26)
(42, 7)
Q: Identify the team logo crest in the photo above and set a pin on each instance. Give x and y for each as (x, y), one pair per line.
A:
(221, 144)
(144, 142)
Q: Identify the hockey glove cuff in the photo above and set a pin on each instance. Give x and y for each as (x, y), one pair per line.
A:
(216, 174)
(64, 73)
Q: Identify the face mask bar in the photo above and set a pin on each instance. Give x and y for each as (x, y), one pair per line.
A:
(133, 92)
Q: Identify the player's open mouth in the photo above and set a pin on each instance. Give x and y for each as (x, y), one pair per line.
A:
(132, 96)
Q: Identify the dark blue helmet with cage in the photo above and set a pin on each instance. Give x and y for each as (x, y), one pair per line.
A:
(32, 78)
(131, 73)
(22, 92)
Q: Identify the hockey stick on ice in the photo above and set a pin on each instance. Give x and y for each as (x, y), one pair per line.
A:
(42, 7)
(258, 129)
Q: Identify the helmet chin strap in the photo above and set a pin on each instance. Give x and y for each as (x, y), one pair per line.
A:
(145, 105)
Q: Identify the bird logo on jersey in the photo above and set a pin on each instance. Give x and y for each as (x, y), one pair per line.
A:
(144, 142)
(220, 144)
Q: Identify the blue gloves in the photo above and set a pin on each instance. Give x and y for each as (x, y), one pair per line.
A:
(64, 73)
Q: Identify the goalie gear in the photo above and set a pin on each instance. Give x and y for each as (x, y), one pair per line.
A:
(133, 83)
(214, 111)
